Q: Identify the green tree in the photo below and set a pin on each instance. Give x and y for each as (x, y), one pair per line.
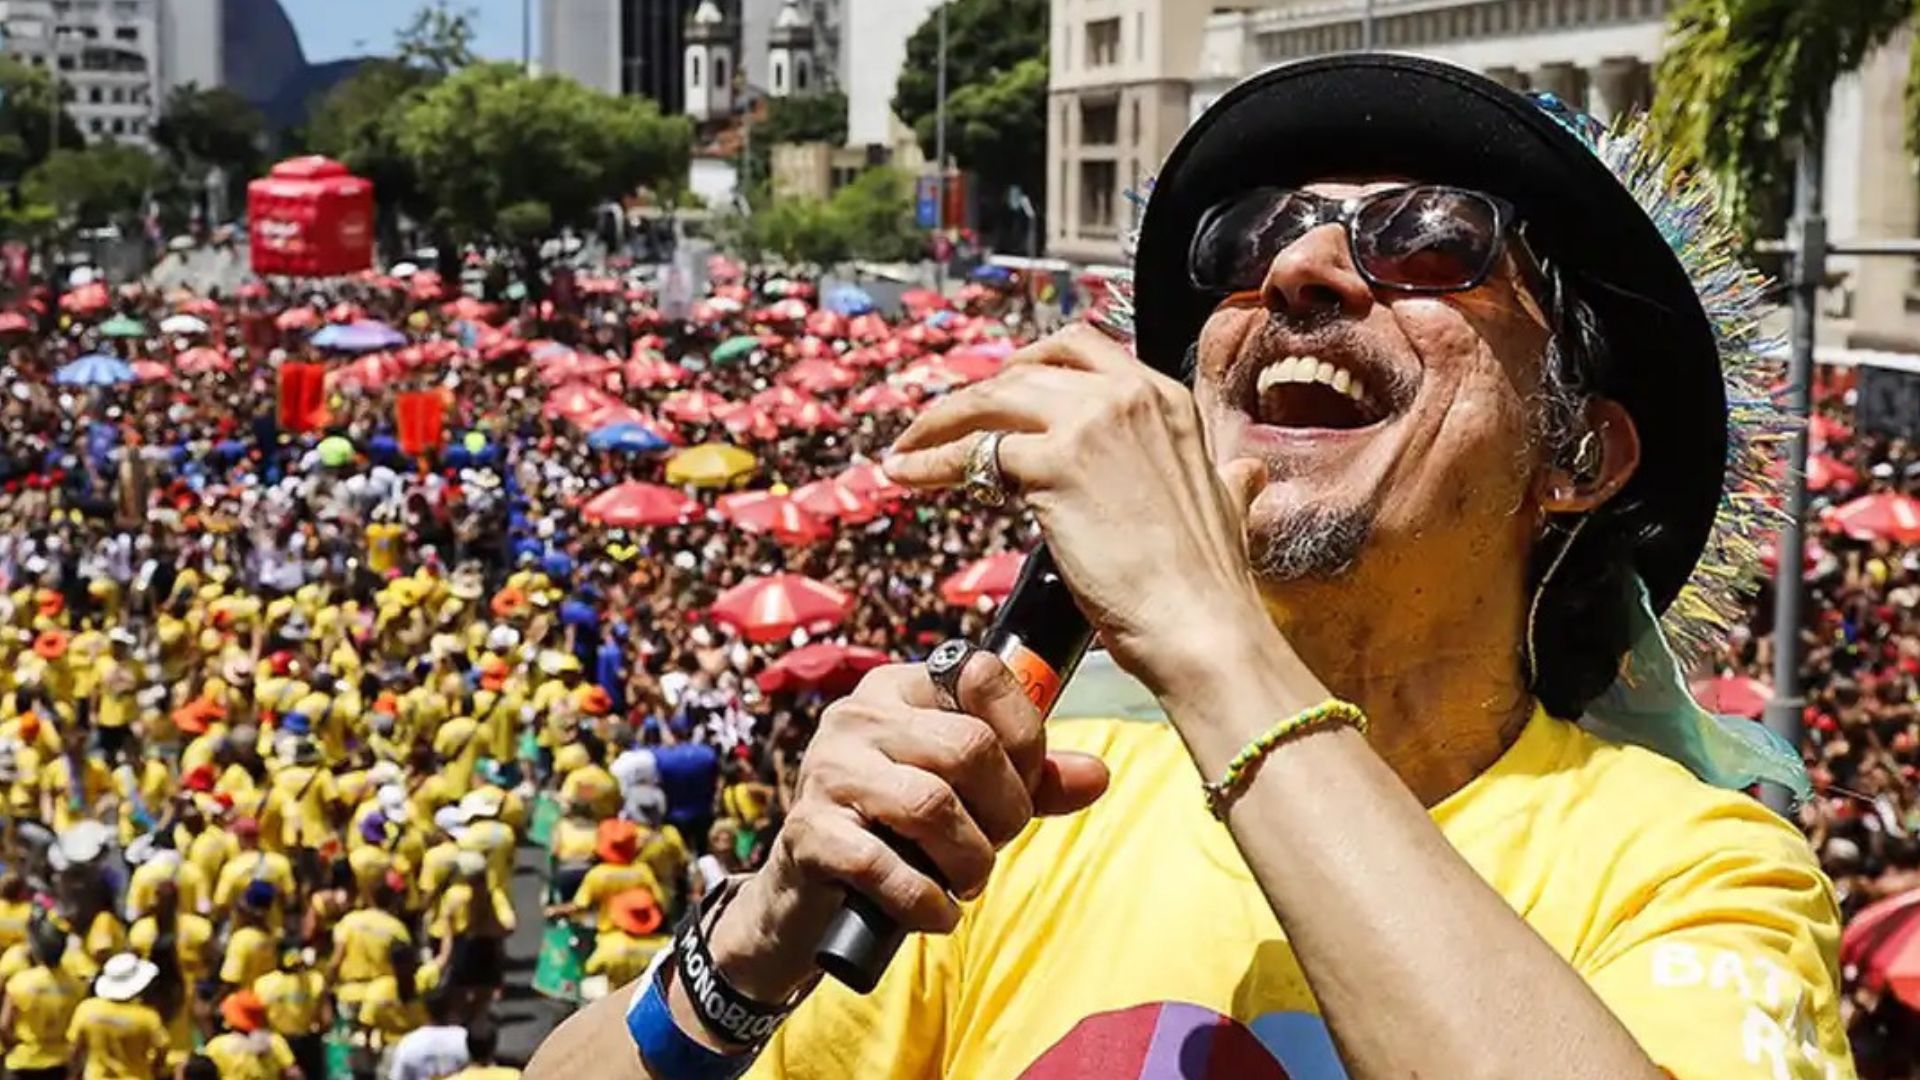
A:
(489, 139)
(201, 130)
(439, 39)
(100, 185)
(1743, 80)
(996, 99)
(820, 117)
(871, 218)
(27, 119)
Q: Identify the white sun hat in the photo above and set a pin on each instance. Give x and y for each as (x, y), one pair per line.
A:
(124, 976)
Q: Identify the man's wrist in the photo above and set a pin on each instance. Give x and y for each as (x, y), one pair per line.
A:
(1234, 683)
(752, 948)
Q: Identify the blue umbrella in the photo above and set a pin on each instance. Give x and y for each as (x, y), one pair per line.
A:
(363, 336)
(999, 275)
(626, 438)
(98, 369)
(848, 300)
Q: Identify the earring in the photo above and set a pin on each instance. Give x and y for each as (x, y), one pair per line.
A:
(1588, 456)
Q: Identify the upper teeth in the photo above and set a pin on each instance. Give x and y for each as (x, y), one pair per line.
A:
(1310, 369)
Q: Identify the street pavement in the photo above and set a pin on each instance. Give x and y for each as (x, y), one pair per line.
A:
(526, 1017)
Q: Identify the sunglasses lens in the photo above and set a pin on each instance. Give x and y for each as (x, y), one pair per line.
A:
(1427, 238)
(1239, 239)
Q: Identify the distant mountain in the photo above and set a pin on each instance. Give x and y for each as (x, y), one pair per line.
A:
(266, 65)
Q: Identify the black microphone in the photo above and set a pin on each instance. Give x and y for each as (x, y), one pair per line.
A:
(1040, 635)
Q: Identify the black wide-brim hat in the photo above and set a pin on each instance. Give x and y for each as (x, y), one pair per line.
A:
(1378, 114)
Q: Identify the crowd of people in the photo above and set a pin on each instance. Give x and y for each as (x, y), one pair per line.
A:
(285, 692)
(289, 689)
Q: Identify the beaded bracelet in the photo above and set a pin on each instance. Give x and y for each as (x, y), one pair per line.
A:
(1221, 794)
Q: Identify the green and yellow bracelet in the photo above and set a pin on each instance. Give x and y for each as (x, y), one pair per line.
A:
(1222, 793)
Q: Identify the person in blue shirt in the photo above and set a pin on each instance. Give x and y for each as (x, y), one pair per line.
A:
(689, 774)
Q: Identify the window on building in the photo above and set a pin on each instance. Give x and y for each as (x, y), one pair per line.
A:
(66, 63)
(1097, 181)
(127, 33)
(138, 127)
(720, 72)
(94, 125)
(1103, 42)
(93, 95)
(1134, 123)
(1099, 123)
(119, 126)
(800, 72)
(119, 96)
(693, 71)
(779, 74)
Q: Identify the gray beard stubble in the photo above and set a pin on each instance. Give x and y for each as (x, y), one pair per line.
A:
(1314, 542)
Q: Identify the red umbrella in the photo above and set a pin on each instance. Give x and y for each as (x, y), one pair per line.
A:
(868, 327)
(827, 324)
(1824, 472)
(1733, 695)
(826, 499)
(148, 371)
(692, 406)
(776, 515)
(645, 371)
(867, 478)
(819, 376)
(575, 367)
(922, 300)
(824, 666)
(575, 401)
(748, 419)
(772, 607)
(992, 577)
(254, 290)
(300, 318)
(345, 312)
(780, 397)
(608, 415)
(633, 504)
(12, 322)
(1885, 516)
(370, 372)
(974, 362)
(1881, 947)
(813, 416)
(469, 309)
(88, 299)
(881, 398)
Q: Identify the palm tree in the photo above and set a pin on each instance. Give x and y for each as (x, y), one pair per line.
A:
(1742, 81)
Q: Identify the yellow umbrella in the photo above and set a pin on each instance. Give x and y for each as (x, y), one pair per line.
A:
(710, 465)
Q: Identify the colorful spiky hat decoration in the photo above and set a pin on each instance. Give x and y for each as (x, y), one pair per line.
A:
(1642, 244)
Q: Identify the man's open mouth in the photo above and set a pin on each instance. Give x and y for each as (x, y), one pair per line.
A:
(1314, 392)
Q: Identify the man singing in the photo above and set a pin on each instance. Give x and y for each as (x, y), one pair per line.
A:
(1470, 464)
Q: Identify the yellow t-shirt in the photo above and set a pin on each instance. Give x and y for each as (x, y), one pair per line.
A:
(390, 1019)
(362, 940)
(14, 919)
(119, 681)
(621, 957)
(189, 882)
(250, 954)
(457, 744)
(604, 882)
(122, 1040)
(243, 869)
(192, 935)
(210, 851)
(262, 1055)
(43, 1003)
(301, 799)
(74, 803)
(454, 913)
(593, 786)
(383, 546)
(1699, 917)
(574, 840)
(294, 1000)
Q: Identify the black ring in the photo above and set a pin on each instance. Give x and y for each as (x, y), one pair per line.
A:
(944, 665)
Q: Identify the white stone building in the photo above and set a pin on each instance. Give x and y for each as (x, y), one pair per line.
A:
(104, 53)
(192, 49)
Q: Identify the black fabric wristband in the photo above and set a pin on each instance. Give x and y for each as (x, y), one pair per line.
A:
(728, 1015)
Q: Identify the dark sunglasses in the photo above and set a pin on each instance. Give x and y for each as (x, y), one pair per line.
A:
(1425, 238)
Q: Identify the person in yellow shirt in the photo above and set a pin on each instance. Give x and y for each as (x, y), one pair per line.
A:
(591, 783)
(622, 952)
(302, 796)
(298, 1007)
(252, 949)
(385, 540)
(250, 864)
(472, 923)
(487, 834)
(144, 788)
(618, 871)
(192, 935)
(363, 941)
(209, 845)
(117, 681)
(113, 1034)
(37, 1007)
(457, 744)
(395, 1003)
(16, 908)
(249, 1048)
(74, 784)
(166, 866)
(483, 1053)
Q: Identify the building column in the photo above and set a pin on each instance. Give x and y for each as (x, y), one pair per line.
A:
(1566, 81)
(1510, 77)
(1621, 85)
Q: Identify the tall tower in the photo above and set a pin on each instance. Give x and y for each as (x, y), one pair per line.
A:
(790, 53)
(709, 67)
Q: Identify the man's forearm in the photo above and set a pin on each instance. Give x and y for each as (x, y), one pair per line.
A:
(1456, 984)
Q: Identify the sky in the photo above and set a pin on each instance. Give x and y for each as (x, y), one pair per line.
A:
(333, 29)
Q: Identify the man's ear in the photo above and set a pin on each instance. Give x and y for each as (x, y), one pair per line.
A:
(1604, 455)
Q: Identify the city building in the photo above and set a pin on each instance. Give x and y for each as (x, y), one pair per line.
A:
(192, 44)
(873, 47)
(105, 53)
(790, 53)
(632, 47)
(1129, 75)
(709, 64)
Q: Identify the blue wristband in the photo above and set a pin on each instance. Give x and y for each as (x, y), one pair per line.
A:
(668, 1052)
